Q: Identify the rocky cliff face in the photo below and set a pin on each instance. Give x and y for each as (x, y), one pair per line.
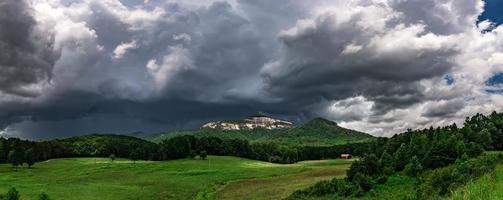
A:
(250, 123)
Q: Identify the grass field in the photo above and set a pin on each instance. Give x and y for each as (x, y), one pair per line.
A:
(99, 178)
(281, 186)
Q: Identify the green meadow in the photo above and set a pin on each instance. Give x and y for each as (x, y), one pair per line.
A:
(219, 177)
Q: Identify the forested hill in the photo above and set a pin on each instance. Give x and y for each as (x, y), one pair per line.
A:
(427, 164)
(321, 131)
(105, 144)
(316, 132)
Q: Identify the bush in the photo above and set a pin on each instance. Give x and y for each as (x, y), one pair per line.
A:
(112, 157)
(444, 180)
(12, 194)
(43, 196)
(203, 155)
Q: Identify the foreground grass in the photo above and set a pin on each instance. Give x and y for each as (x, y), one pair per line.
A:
(98, 178)
(488, 187)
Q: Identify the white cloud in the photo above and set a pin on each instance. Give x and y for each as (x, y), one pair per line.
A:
(123, 48)
(177, 61)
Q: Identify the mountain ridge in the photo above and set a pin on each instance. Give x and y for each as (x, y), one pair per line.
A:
(315, 132)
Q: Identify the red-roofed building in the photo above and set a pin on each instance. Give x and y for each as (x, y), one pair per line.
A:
(346, 156)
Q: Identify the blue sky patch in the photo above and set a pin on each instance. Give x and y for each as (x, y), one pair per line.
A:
(495, 91)
(495, 80)
(493, 11)
(449, 79)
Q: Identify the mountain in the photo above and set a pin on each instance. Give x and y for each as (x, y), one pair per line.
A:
(253, 122)
(316, 132)
(320, 132)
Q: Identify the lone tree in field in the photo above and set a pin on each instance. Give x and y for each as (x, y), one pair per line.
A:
(134, 155)
(203, 155)
(29, 157)
(43, 196)
(12, 194)
(15, 158)
(112, 157)
(192, 154)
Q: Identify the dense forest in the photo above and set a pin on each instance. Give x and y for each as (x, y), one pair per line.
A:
(182, 146)
(440, 159)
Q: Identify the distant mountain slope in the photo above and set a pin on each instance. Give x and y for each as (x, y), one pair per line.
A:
(317, 132)
(321, 131)
(99, 139)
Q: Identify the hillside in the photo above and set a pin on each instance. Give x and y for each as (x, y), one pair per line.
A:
(104, 145)
(317, 132)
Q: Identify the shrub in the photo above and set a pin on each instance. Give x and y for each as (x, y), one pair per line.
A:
(43, 196)
(12, 194)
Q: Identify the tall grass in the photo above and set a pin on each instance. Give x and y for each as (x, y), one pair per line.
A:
(488, 187)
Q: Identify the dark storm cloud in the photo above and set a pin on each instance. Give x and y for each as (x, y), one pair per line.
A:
(333, 59)
(26, 56)
(77, 113)
(134, 65)
(210, 55)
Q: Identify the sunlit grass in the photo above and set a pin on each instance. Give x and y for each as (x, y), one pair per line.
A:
(100, 178)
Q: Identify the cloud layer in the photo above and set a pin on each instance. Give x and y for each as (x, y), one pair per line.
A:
(78, 66)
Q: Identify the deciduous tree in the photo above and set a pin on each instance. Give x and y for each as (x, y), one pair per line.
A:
(15, 158)
(29, 157)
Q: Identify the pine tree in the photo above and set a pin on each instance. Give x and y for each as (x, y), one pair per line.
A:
(401, 157)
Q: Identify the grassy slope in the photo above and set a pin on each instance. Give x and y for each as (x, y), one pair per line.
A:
(317, 132)
(396, 187)
(98, 178)
(282, 186)
(488, 187)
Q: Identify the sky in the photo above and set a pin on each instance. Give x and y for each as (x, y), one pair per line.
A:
(72, 67)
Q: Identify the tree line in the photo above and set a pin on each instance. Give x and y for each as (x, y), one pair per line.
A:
(438, 157)
(17, 151)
